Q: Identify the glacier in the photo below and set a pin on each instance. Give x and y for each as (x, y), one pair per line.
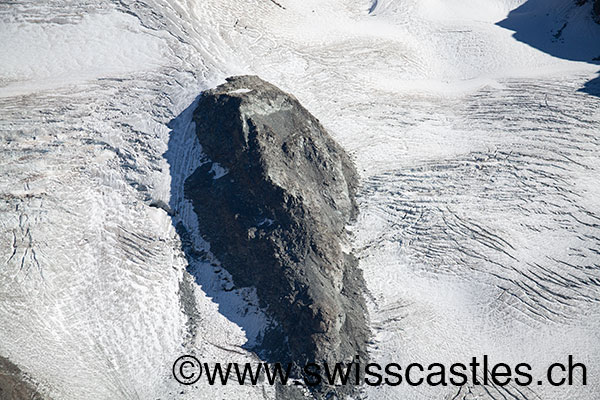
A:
(474, 133)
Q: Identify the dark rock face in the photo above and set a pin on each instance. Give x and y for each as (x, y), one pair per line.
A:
(276, 218)
(595, 8)
(14, 385)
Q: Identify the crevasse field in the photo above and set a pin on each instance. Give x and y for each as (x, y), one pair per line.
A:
(475, 127)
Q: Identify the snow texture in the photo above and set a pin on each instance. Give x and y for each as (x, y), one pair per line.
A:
(474, 127)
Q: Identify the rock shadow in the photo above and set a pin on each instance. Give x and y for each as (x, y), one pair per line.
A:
(239, 305)
(592, 87)
(560, 30)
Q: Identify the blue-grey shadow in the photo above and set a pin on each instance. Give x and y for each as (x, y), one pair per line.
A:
(184, 156)
(570, 33)
(592, 87)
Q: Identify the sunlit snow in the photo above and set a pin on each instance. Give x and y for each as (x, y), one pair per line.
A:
(479, 157)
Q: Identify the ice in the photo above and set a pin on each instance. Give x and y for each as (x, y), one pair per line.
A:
(38, 56)
(218, 171)
(240, 91)
(478, 153)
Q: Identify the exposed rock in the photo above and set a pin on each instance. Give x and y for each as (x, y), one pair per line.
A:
(14, 384)
(595, 8)
(274, 204)
(163, 206)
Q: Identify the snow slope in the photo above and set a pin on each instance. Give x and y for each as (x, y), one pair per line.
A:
(479, 231)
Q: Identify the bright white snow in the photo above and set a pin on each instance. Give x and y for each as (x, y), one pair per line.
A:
(479, 226)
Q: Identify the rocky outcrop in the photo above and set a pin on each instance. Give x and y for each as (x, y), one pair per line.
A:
(14, 384)
(273, 203)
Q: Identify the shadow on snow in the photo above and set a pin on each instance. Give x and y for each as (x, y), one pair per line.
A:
(238, 305)
(560, 28)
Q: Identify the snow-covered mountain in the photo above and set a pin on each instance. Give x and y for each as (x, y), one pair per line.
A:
(473, 126)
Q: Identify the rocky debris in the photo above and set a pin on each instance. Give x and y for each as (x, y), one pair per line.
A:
(14, 384)
(163, 206)
(274, 203)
